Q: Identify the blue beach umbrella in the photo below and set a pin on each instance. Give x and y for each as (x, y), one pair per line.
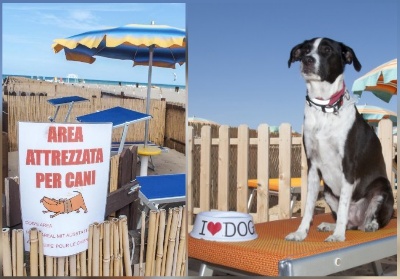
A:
(146, 45)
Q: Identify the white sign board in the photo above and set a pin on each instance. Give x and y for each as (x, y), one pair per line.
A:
(63, 182)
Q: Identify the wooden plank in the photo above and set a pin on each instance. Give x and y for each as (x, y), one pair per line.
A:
(120, 198)
(263, 174)
(13, 204)
(385, 134)
(189, 175)
(304, 177)
(125, 175)
(223, 168)
(242, 168)
(125, 167)
(205, 168)
(134, 150)
(4, 156)
(253, 141)
(285, 150)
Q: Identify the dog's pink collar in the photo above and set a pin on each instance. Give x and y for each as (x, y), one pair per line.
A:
(331, 105)
(338, 95)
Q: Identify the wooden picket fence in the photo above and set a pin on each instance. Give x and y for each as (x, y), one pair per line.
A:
(199, 198)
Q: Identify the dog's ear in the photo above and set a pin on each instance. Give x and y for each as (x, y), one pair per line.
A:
(350, 57)
(295, 54)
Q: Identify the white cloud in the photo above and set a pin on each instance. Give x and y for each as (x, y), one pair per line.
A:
(82, 15)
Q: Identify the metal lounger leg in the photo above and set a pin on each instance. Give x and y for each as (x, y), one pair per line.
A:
(205, 270)
(377, 267)
(69, 111)
(251, 198)
(52, 119)
(292, 202)
(122, 143)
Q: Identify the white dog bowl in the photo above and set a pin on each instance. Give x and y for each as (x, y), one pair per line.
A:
(224, 226)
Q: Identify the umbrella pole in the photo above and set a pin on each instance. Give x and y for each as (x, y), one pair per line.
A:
(146, 129)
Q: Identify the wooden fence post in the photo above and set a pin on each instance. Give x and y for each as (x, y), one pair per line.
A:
(205, 168)
(242, 168)
(304, 174)
(385, 134)
(189, 176)
(263, 173)
(285, 151)
(223, 168)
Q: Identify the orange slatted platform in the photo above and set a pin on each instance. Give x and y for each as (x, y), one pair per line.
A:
(264, 255)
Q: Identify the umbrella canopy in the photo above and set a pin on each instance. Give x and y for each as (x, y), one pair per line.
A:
(129, 42)
(200, 120)
(373, 114)
(146, 45)
(382, 81)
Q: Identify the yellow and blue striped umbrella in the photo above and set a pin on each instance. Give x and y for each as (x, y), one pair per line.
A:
(382, 81)
(147, 45)
(373, 114)
(129, 42)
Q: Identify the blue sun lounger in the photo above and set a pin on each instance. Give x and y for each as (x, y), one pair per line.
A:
(161, 189)
(70, 101)
(118, 116)
(155, 190)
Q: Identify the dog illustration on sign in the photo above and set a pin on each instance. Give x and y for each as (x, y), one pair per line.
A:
(61, 206)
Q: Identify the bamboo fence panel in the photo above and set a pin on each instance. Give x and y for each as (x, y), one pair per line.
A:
(7, 262)
(166, 237)
(109, 250)
(169, 131)
(37, 109)
(34, 261)
(14, 252)
(175, 119)
(73, 265)
(21, 86)
(20, 252)
(160, 243)
(41, 256)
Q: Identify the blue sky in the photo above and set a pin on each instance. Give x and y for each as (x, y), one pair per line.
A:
(238, 50)
(238, 53)
(29, 30)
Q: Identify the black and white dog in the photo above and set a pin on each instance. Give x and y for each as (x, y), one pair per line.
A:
(340, 146)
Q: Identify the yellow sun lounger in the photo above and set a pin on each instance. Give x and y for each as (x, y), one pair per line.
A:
(271, 255)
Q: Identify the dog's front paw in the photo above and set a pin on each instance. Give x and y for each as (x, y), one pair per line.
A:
(296, 236)
(371, 227)
(326, 227)
(335, 238)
